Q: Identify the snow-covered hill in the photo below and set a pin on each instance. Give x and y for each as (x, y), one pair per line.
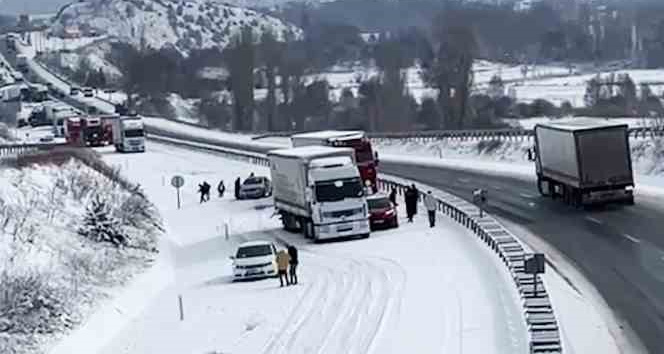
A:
(184, 25)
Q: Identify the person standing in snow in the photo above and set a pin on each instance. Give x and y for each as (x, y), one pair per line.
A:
(207, 187)
(393, 196)
(237, 188)
(221, 189)
(201, 190)
(411, 202)
(431, 204)
(282, 265)
(292, 253)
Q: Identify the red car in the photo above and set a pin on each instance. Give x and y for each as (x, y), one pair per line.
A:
(382, 213)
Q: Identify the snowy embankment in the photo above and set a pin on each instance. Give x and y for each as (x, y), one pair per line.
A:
(412, 289)
(69, 238)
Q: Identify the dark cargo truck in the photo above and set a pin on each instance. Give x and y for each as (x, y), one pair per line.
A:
(584, 162)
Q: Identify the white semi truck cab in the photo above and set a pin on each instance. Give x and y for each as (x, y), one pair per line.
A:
(128, 134)
(318, 190)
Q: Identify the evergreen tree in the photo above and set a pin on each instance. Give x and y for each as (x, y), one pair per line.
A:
(100, 226)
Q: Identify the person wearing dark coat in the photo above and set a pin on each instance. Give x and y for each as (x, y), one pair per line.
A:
(411, 198)
(221, 189)
(393, 196)
(292, 252)
(201, 190)
(237, 188)
(206, 190)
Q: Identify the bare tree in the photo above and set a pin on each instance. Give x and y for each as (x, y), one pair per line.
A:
(270, 55)
(241, 59)
(454, 48)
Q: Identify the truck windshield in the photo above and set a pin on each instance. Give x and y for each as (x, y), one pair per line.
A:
(254, 251)
(133, 133)
(332, 191)
(363, 153)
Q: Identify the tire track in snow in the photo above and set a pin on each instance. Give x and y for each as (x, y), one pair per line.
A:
(350, 310)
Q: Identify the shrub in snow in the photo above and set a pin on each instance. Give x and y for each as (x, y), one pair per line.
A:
(30, 303)
(100, 225)
(4, 132)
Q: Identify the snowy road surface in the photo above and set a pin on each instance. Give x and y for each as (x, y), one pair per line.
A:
(412, 289)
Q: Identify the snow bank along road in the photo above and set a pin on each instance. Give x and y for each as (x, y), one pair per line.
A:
(412, 289)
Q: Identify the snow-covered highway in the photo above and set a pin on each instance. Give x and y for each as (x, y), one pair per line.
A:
(412, 289)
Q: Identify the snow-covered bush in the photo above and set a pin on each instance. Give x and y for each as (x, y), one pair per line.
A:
(5, 134)
(100, 225)
(51, 275)
(31, 303)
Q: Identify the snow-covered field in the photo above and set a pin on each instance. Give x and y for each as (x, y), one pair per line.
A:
(412, 289)
(52, 276)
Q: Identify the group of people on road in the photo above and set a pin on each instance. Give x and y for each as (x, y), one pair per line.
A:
(412, 197)
(287, 261)
(204, 189)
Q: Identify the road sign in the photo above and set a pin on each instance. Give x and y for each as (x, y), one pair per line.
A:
(177, 181)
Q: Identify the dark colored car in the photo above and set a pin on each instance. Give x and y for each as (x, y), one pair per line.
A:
(382, 213)
(255, 187)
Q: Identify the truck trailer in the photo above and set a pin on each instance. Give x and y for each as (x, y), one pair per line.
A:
(584, 162)
(318, 190)
(128, 134)
(356, 139)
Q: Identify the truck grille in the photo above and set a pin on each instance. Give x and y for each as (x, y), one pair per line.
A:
(342, 213)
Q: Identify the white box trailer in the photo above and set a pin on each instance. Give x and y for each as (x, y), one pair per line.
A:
(128, 134)
(584, 161)
(318, 190)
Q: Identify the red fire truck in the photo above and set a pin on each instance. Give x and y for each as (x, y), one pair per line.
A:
(92, 131)
(365, 158)
(73, 130)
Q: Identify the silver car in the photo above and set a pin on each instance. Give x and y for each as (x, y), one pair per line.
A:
(255, 187)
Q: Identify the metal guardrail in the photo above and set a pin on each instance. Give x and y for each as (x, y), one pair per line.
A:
(489, 134)
(544, 335)
(19, 149)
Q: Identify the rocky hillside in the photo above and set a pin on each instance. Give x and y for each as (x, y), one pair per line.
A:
(184, 25)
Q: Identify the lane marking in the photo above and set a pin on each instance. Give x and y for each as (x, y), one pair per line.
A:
(632, 238)
(531, 204)
(498, 188)
(526, 195)
(463, 180)
(596, 221)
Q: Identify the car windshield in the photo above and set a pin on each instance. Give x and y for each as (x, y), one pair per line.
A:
(254, 251)
(133, 133)
(379, 203)
(332, 191)
(253, 180)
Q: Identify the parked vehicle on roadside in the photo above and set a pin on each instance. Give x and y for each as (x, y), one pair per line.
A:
(584, 161)
(74, 91)
(255, 259)
(88, 92)
(128, 134)
(318, 190)
(382, 213)
(365, 158)
(255, 187)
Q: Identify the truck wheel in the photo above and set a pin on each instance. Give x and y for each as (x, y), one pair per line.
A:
(540, 186)
(308, 229)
